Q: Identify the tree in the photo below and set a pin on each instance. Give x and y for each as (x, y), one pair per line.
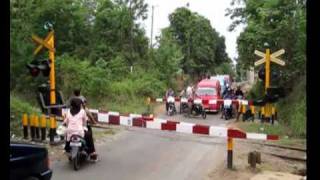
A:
(280, 23)
(201, 45)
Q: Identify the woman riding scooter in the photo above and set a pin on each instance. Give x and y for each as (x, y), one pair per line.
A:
(76, 122)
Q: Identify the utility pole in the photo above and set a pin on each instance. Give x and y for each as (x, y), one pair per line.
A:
(151, 28)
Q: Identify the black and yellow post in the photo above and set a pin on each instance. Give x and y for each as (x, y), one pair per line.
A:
(262, 114)
(253, 112)
(243, 111)
(52, 129)
(273, 114)
(230, 153)
(239, 111)
(32, 128)
(25, 125)
(43, 127)
(36, 126)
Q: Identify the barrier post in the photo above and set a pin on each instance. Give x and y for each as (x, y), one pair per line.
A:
(36, 125)
(25, 125)
(230, 153)
(273, 110)
(243, 112)
(253, 112)
(32, 128)
(262, 114)
(51, 132)
(43, 127)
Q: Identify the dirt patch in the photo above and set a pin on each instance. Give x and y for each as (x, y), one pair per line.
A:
(270, 175)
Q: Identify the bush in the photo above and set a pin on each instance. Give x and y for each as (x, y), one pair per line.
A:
(292, 109)
(17, 108)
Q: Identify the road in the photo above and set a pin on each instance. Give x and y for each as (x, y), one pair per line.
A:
(144, 154)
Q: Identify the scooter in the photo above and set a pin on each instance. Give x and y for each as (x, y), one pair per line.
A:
(78, 148)
(184, 107)
(227, 109)
(171, 106)
(197, 109)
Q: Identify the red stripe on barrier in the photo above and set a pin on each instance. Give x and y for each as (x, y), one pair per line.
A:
(139, 122)
(114, 119)
(272, 137)
(234, 133)
(147, 118)
(200, 129)
(169, 125)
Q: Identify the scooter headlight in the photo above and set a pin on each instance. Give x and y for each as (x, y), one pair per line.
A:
(170, 99)
(184, 100)
(227, 102)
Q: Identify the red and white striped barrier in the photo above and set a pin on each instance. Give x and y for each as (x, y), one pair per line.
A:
(137, 120)
(212, 101)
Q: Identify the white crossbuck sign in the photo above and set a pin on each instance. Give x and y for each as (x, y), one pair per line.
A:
(273, 57)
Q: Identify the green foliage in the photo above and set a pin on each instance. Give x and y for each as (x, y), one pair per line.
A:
(93, 81)
(281, 24)
(256, 91)
(292, 109)
(224, 68)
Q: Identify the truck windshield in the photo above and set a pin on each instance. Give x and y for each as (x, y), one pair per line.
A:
(206, 91)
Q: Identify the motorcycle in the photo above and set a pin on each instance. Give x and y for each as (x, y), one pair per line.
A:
(197, 109)
(78, 148)
(171, 106)
(78, 151)
(227, 109)
(184, 107)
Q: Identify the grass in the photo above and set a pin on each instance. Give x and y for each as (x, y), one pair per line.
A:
(265, 128)
(133, 105)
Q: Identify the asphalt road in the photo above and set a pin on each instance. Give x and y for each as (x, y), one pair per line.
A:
(144, 154)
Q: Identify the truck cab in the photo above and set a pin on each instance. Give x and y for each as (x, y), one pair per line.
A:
(209, 91)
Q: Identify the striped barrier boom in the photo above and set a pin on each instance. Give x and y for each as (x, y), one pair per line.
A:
(213, 101)
(138, 120)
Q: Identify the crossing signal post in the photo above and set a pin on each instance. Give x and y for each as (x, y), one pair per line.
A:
(267, 58)
(48, 67)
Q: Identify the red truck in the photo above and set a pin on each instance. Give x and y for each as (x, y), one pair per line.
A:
(209, 90)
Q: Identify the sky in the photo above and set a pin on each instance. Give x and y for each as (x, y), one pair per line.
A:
(214, 10)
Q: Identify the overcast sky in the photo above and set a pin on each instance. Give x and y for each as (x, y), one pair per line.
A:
(214, 10)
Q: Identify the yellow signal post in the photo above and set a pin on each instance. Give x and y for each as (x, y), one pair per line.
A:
(267, 82)
(48, 43)
(52, 72)
(268, 106)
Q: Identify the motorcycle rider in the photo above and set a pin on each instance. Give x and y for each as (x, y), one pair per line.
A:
(169, 93)
(227, 95)
(75, 120)
(88, 135)
(239, 92)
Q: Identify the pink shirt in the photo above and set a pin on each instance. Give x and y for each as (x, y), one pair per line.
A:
(76, 123)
